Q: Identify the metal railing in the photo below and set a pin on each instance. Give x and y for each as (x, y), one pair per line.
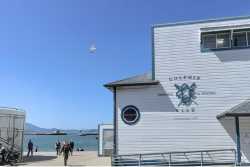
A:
(188, 158)
(10, 145)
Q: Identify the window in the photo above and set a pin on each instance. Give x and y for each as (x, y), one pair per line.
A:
(209, 41)
(239, 39)
(130, 115)
(223, 40)
(216, 40)
(226, 39)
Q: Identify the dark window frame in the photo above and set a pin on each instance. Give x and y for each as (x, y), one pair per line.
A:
(216, 34)
(231, 40)
(137, 118)
(206, 36)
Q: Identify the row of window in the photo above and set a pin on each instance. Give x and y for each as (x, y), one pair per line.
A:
(225, 39)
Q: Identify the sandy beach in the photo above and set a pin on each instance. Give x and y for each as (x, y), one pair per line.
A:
(86, 158)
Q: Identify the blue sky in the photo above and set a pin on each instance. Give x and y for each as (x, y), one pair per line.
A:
(45, 65)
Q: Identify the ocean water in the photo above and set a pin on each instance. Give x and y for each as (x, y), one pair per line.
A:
(47, 142)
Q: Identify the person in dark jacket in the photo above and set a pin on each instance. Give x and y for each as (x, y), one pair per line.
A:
(66, 149)
(72, 144)
(58, 147)
(30, 148)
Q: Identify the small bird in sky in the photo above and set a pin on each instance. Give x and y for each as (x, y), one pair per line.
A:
(92, 48)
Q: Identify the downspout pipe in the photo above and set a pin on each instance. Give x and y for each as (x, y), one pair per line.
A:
(237, 128)
(115, 122)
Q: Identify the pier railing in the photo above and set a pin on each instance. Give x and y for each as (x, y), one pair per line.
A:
(188, 158)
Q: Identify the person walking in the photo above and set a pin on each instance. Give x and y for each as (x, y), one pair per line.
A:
(72, 144)
(58, 147)
(66, 149)
(30, 148)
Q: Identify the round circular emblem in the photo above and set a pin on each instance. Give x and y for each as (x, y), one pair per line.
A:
(130, 115)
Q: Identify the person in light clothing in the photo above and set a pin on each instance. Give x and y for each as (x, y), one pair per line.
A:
(66, 149)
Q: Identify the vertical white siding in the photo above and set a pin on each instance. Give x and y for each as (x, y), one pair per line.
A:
(161, 129)
(177, 53)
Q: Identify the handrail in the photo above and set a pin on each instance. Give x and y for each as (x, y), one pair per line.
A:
(174, 152)
(7, 143)
(197, 157)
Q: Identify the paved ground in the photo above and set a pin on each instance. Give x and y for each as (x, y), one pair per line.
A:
(85, 158)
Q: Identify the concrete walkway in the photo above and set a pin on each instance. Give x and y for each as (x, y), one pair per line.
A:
(85, 158)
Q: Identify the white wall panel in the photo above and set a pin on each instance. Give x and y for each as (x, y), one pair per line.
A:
(162, 129)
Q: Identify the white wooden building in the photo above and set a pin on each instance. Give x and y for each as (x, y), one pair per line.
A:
(197, 95)
(12, 122)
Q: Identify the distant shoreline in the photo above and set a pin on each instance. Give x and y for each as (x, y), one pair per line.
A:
(46, 134)
(88, 134)
(59, 134)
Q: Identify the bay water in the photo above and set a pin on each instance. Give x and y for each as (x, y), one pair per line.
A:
(46, 143)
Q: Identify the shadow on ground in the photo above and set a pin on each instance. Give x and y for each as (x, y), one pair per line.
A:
(38, 158)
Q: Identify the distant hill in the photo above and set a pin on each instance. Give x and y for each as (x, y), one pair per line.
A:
(33, 128)
(30, 128)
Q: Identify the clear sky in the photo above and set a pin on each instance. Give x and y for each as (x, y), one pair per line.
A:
(45, 65)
